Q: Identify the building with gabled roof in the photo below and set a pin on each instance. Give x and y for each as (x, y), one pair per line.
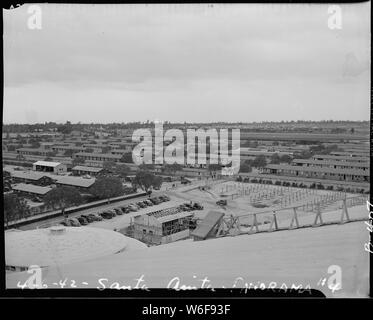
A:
(49, 166)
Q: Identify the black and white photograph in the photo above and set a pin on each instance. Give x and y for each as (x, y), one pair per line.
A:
(187, 147)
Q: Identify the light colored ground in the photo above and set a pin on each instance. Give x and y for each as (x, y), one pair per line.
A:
(43, 248)
(245, 195)
(122, 221)
(299, 257)
(241, 205)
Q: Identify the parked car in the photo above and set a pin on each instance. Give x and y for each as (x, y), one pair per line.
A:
(188, 207)
(118, 211)
(112, 212)
(155, 200)
(96, 217)
(74, 222)
(221, 202)
(66, 224)
(132, 207)
(82, 221)
(183, 207)
(148, 202)
(197, 206)
(141, 205)
(88, 218)
(125, 209)
(105, 215)
(164, 197)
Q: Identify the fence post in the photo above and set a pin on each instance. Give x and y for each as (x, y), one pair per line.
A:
(274, 221)
(318, 216)
(255, 224)
(294, 219)
(344, 212)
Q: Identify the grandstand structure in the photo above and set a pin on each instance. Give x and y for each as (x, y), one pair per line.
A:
(217, 224)
(162, 226)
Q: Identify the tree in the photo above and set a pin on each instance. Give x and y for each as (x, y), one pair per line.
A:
(68, 153)
(127, 158)
(7, 181)
(34, 143)
(107, 187)
(14, 208)
(285, 158)
(245, 167)
(66, 128)
(157, 183)
(275, 158)
(259, 161)
(20, 157)
(145, 180)
(305, 154)
(63, 197)
(146, 167)
(214, 167)
(109, 166)
(77, 161)
(51, 154)
(172, 168)
(105, 149)
(122, 171)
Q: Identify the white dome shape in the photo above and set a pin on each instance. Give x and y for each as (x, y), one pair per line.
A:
(60, 245)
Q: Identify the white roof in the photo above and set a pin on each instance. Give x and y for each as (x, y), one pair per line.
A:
(31, 188)
(30, 175)
(175, 216)
(75, 181)
(47, 163)
(86, 168)
(43, 248)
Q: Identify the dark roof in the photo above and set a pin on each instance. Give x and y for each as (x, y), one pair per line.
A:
(102, 155)
(317, 169)
(343, 158)
(333, 163)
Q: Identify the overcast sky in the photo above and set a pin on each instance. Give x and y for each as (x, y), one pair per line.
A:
(121, 63)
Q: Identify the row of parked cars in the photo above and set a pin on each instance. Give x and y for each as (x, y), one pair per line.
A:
(85, 219)
(190, 206)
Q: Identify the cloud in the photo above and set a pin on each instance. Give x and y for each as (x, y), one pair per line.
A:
(193, 52)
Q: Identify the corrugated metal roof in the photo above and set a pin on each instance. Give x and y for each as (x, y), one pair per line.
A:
(31, 188)
(46, 163)
(327, 156)
(102, 155)
(75, 181)
(175, 216)
(28, 175)
(333, 163)
(86, 168)
(317, 169)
